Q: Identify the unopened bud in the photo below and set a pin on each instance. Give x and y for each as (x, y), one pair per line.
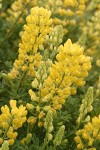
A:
(49, 137)
(28, 138)
(87, 119)
(35, 83)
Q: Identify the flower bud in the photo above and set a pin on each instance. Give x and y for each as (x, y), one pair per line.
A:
(35, 83)
(49, 137)
(28, 138)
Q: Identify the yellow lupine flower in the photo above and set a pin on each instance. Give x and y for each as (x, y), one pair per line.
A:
(12, 118)
(17, 7)
(90, 133)
(31, 120)
(11, 141)
(35, 31)
(12, 103)
(65, 74)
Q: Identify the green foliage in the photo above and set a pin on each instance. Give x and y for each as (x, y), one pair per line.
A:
(63, 122)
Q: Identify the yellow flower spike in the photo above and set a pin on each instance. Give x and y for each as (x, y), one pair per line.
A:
(35, 31)
(64, 76)
(11, 119)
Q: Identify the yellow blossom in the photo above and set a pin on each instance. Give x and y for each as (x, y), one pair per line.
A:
(11, 141)
(31, 120)
(37, 27)
(90, 133)
(11, 119)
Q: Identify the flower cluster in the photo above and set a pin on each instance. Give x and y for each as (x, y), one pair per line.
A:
(39, 109)
(61, 79)
(27, 139)
(68, 71)
(37, 27)
(65, 11)
(19, 7)
(91, 29)
(58, 138)
(92, 5)
(89, 134)
(10, 120)
(86, 106)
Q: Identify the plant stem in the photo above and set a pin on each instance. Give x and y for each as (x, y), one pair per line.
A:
(45, 143)
(21, 80)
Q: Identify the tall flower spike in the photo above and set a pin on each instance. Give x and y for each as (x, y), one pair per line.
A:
(49, 125)
(66, 73)
(86, 106)
(63, 77)
(37, 27)
(59, 136)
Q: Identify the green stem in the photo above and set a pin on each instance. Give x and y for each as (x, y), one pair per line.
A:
(45, 143)
(21, 80)
(54, 148)
(73, 132)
